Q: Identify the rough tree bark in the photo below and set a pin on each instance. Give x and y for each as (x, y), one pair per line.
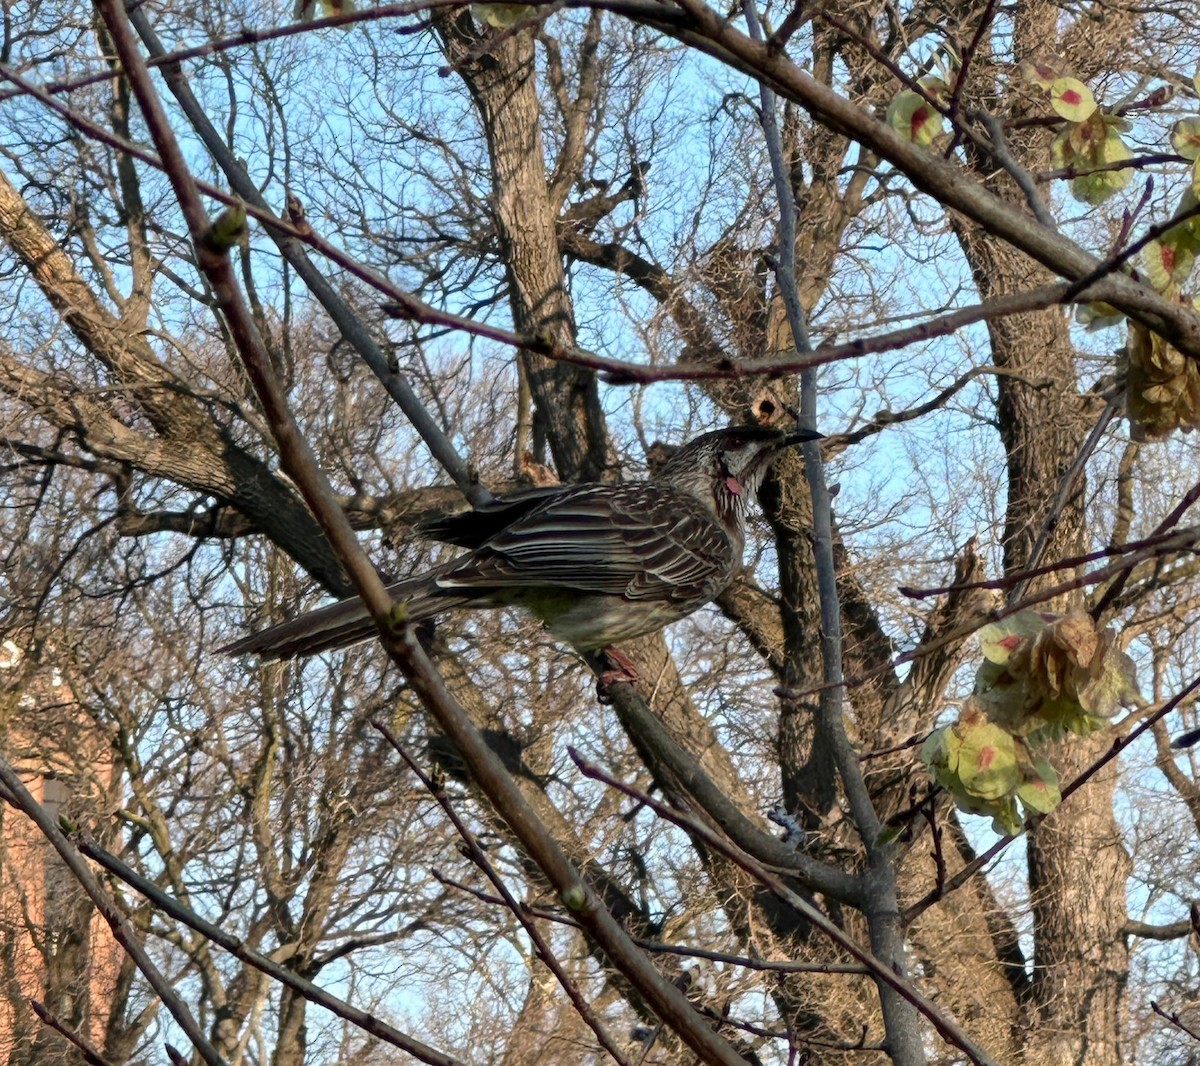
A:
(1078, 864)
(501, 76)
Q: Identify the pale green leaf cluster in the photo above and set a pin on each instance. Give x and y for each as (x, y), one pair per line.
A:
(1162, 387)
(1089, 141)
(915, 115)
(988, 770)
(1042, 676)
(503, 16)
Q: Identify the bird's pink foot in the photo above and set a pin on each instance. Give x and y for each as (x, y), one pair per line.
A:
(623, 670)
(625, 666)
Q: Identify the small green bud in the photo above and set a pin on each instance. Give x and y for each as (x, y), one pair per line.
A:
(228, 228)
(398, 617)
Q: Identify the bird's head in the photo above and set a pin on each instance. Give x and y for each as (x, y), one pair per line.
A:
(728, 465)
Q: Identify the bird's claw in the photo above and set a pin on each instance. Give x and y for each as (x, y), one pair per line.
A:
(623, 670)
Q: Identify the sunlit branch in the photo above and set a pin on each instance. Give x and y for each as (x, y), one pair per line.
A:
(947, 1027)
(479, 857)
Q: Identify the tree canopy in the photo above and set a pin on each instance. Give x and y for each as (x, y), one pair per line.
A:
(280, 287)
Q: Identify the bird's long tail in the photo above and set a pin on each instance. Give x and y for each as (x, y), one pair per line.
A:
(346, 622)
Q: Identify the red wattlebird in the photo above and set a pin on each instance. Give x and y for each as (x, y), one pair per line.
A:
(598, 564)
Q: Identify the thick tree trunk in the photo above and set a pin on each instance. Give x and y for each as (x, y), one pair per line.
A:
(1078, 869)
(502, 78)
(1077, 861)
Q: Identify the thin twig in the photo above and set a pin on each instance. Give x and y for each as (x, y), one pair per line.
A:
(883, 419)
(802, 12)
(967, 57)
(947, 1027)
(825, 14)
(1025, 181)
(1153, 547)
(939, 858)
(243, 38)
(170, 906)
(1175, 1020)
(1114, 262)
(1173, 516)
(89, 1054)
(479, 857)
(122, 931)
(1137, 163)
(1066, 486)
(1129, 217)
(623, 372)
(914, 741)
(776, 1034)
(1069, 563)
(660, 948)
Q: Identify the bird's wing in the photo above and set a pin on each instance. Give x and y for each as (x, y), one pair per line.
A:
(642, 541)
(470, 529)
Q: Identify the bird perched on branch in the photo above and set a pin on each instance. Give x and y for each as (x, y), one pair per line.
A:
(598, 564)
